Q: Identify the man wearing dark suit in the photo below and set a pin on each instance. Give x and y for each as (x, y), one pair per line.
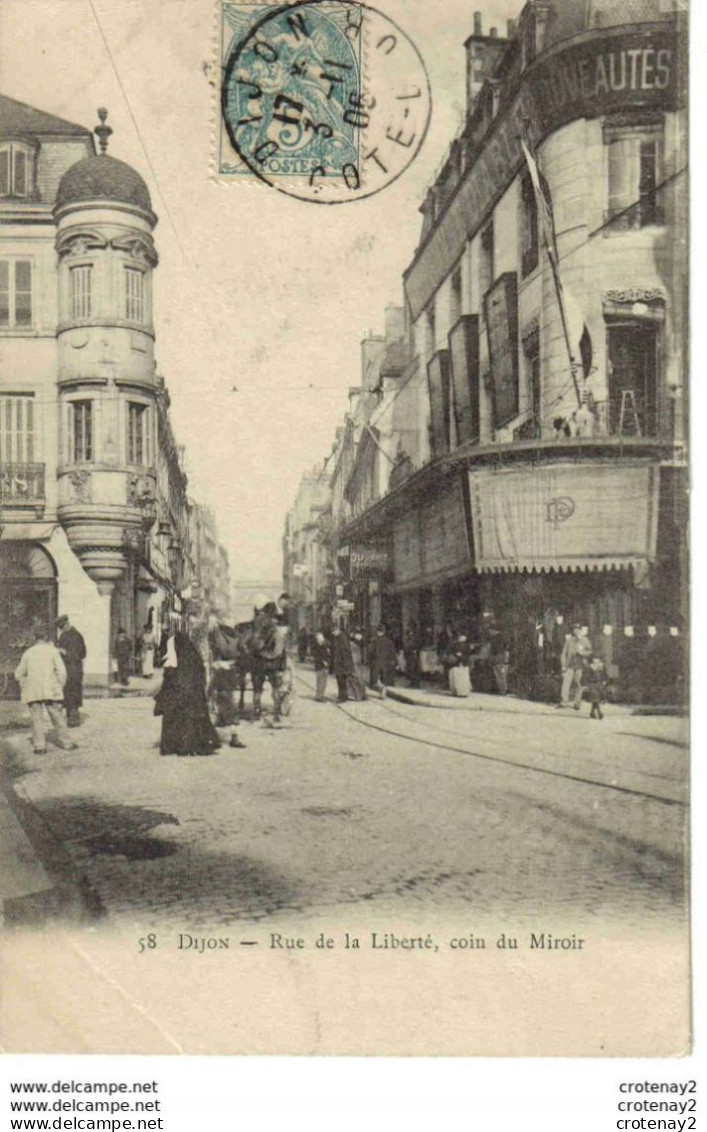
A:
(72, 647)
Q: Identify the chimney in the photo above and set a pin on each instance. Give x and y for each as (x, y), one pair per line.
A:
(477, 24)
(482, 51)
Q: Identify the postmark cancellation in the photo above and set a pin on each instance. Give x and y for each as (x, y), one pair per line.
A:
(327, 100)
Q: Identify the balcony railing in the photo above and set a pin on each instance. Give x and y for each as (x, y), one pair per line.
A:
(22, 485)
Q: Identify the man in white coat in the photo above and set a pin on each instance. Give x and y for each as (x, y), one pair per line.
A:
(41, 675)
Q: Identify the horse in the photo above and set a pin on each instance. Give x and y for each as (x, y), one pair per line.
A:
(257, 648)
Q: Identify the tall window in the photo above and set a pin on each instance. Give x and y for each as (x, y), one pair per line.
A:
(81, 432)
(486, 265)
(634, 176)
(531, 428)
(528, 226)
(81, 278)
(633, 358)
(15, 293)
(15, 171)
(134, 294)
(138, 433)
(17, 428)
(455, 298)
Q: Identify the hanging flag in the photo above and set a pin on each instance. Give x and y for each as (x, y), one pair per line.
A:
(578, 332)
(544, 202)
(573, 335)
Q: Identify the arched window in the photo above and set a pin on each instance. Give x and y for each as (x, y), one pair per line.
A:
(16, 170)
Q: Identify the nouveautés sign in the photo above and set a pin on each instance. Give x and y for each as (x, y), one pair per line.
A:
(602, 74)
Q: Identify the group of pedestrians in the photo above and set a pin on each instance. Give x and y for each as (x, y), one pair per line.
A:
(341, 655)
(583, 674)
(144, 651)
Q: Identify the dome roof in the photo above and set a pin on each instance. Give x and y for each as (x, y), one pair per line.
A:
(103, 178)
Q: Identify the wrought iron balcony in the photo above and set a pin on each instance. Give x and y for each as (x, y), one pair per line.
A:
(22, 485)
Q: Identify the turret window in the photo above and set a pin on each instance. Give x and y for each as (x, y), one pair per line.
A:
(15, 293)
(634, 162)
(134, 295)
(81, 432)
(138, 434)
(81, 279)
(15, 171)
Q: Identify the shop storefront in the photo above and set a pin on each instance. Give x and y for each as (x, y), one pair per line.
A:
(578, 544)
(433, 561)
(28, 597)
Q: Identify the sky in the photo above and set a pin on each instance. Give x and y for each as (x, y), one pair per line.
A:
(261, 301)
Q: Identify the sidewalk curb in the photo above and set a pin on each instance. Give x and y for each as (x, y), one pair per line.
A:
(27, 893)
(403, 696)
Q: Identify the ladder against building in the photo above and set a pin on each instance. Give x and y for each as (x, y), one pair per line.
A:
(629, 422)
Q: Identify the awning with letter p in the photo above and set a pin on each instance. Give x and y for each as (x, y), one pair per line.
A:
(564, 517)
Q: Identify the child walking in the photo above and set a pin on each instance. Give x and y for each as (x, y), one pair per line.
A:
(594, 681)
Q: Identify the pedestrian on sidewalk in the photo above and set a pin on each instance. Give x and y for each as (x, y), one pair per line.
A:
(594, 682)
(383, 659)
(181, 701)
(321, 656)
(41, 675)
(499, 657)
(72, 647)
(357, 684)
(122, 651)
(147, 652)
(302, 645)
(411, 652)
(577, 649)
(342, 664)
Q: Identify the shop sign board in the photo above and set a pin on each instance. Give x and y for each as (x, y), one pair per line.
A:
(438, 380)
(433, 538)
(501, 311)
(464, 355)
(406, 547)
(443, 531)
(564, 517)
(369, 558)
(605, 73)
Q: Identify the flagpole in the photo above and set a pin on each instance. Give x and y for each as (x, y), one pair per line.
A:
(544, 208)
(563, 319)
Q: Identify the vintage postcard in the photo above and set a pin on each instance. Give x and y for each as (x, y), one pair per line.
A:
(343, 528)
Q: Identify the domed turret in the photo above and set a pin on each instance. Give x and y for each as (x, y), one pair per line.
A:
(103, 178)
(106, 368)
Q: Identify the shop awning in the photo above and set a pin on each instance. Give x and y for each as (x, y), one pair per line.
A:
(564, 517)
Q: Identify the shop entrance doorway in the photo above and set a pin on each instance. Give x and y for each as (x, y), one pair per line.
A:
(28, 596)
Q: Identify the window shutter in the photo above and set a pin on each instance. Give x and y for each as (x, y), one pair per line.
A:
(23, 292)
(29, 425)
(70, 449)
(4, 292)
(623, 174)
(20, 173)
(4, 172)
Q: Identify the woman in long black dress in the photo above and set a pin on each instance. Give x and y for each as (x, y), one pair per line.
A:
(186, 726)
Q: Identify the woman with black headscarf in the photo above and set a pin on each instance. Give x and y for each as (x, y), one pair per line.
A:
(181, 701)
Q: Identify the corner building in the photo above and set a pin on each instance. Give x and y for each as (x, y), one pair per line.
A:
(78, 390)
(545, 492)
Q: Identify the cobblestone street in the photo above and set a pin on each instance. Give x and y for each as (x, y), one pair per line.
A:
(398, 808)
